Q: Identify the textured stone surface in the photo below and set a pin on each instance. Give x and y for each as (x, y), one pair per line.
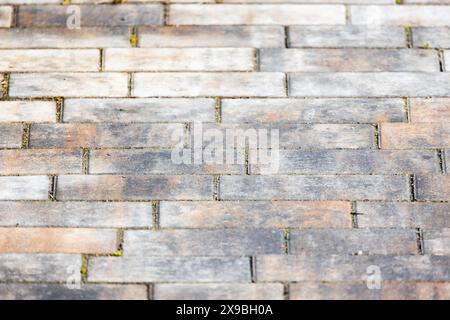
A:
(433, 187)
(415, 136)
(430, 110)
(27, 111)
(24, 187)
(10, 135)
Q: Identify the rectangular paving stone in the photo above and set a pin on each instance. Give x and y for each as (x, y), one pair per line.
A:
(10, 135)
(433, 187)
(24, 188)
(166, 84)
(119, 135)
(400, 15)
(313, 110)
(348, 60)
(254, 214)
(211, 36)
(403, 215)
(91, 15)
(43, 161)
(62, 292)
(437, 242)
(220, 242)
(68, 85)
(218, 291)
(380, 84)
(108, 187)
(353, 162)
(139, 110)
(151, 162)
(284, 187)
(57, 240)
(20, 267)
(338, 268)
(438, 37)
(235, 14)
(175, 59)
(169, 269)
(390, 290)
(346, 36)
(27, 111)
(6, 16)
(44, 60)
(114, 37)
(353, 242)
(76, 214)
(430, 110)
(415, 136)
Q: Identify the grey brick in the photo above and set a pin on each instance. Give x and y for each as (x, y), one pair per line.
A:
(433, 187)
(28, 111)
(10, 135)
(437, 242)
(24, 188)
(438, 37)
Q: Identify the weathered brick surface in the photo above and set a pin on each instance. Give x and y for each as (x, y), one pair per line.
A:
(24, 188)
(10, 135)
(430, 110)
(27, 111)
(433, 187)
(255, 214)
(6, 16)
(54, 240)
(415, 136)
(437, 242)
(438, 37)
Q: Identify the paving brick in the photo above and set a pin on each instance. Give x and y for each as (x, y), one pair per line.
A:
(354, 162)
(403, 215)
(220, 242)
(63, 292)
(347, 36)
(27, 111)
(218, 291)
(40, 161)
(381, 84)
(209, 84)
(91, 15)
(254, 214)
(19, 267)
(121, 135)
(6, 17)
(438, 37)
(68, 85)
(338, 268)
(76, 214)
(139, 110)
(134, 187)
(389, 290)
(169, 269)
(353, 241)
(55, 240)
(400, 15)
(24, 188)
(49, 60)
(446, 155)
(212, 36)
(433, 187)
(117, 37)
(285, 187)
(437, 242)
(177, 59)
(10, 135)
(415, 136)
(313, 110)
(348, 60)
(151, 162)
(281, 14)
(430, 110)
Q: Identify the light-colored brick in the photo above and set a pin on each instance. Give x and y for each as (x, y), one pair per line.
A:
(254, 214)
(68, 85)
(45, 60)
(348, 60)
(175, 59)
(212, 36)
(104, 187)
(415, 136)
(437, 242)
(10, 135)
(313, 110)
(438, 37)
(209, 84)
(57, 240)
(76, 214)
(280, 14)
(284, 187)
(24, 188)
(433, 187)
(27, 111)
(381, 84)
(169, 269)
(6, 16)
(430, 110)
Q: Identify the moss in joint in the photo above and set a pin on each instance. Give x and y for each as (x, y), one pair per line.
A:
(84, 268)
